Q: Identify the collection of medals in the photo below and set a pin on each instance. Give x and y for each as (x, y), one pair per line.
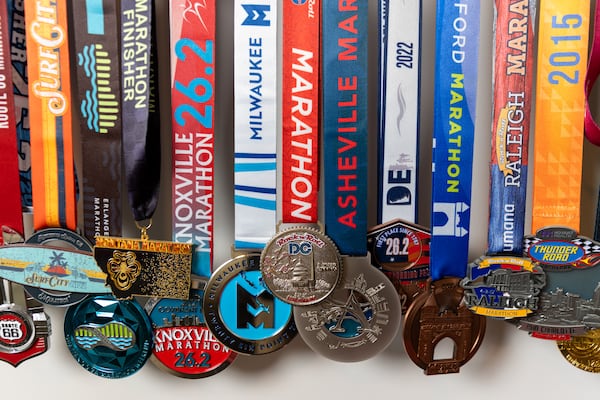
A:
(134, 299)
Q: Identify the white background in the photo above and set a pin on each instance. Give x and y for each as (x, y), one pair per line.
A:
(509, 364)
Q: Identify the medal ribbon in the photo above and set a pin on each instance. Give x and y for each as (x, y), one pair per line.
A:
(300, 111)
(399, 88)
(53, 178)
(345, 123)
(96, 42)
(141, 125)
(10, 201)
(18, 50)
(592, 130)
(453, 134)
(193, 34)
(513, 78)
(255, 86)
(559, 113)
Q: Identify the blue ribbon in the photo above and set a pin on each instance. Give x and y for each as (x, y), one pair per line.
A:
(345, 123)
(454, 132)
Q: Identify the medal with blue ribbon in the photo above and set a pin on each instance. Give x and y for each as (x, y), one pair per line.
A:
(440, 312)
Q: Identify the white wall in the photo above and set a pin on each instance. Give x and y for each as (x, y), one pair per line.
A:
(508, 364)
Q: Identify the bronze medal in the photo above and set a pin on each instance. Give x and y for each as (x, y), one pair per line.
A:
(437, 314)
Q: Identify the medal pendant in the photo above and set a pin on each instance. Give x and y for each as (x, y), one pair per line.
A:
(108, 337)
(301, 266)
(242, 313)
(183, 344)
(568, 304)
(503, 286)
(24, 326)
(401, 250)
(583, 351)
(437, 314)
(143, 267)
(357, 321)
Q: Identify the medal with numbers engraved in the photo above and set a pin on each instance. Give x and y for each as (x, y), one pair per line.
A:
(301, 266)
(401, 251)
(24, 326)
(357, 321)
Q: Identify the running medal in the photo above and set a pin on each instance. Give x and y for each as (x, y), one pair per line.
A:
(361, 316)
(184, 346)
(504, 283)
(240, 310)
(584, 351)
(301, 266)
(401, 251)
(52, 166)
(565, 306)
(108, 337)
(397, 246)
(440, 312)
(242, 313)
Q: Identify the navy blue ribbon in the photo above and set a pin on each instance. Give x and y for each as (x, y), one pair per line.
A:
(345, 123)
(454, 132)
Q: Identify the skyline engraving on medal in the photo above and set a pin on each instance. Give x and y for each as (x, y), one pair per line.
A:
(301, 266)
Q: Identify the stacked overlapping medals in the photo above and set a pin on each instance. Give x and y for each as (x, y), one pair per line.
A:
(133, 299)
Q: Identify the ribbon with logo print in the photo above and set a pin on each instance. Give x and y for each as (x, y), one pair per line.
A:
(192, 103)
(53, 178)
(457, 45)
(255, 141)
(18, 55)
(300, 111)
(399, 92)
(558, 154)
(592, 130)
(96, 47)
(10, 201)
(345, 124)
(494, 285)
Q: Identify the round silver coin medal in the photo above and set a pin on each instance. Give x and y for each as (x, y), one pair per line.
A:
(357, 321)
(301, 266)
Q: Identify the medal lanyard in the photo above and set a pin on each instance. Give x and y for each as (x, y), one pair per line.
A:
(255, 137)
(399, 88)
(559, 112)
(513, 77)
(345, 124)
(592, 130)
(300, 112)
(141, 124)
(10, 203)
(454, 133)
(96, 43)
(192, 100)
(53, 178)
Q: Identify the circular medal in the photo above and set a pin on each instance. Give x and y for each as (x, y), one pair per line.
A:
(357, 321)
(56, 268)
(17, 331)
(108, 337)
(301, 266)
(567, 305)
(583, 351)
(437, 314)
(183, 344)
(241, 311)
